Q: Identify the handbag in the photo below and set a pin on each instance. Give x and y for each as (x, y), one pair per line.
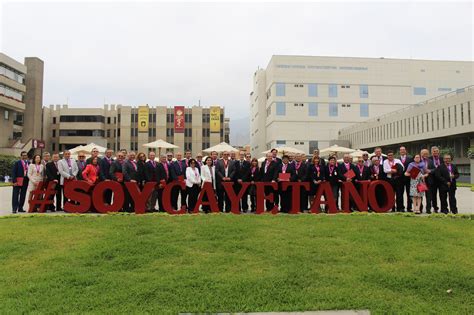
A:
(421, 187)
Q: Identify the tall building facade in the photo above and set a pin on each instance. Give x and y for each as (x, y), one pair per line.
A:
(125, 127)
(446, 121)
(303, 101)
(21, 101)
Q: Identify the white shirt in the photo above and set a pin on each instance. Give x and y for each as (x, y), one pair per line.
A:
(387, 166)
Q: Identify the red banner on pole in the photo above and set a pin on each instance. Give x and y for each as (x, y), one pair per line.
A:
(179, 119)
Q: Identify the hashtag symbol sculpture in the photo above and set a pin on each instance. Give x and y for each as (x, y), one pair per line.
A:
(41, 197)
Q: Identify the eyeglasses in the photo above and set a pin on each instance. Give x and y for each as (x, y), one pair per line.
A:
(82, 156)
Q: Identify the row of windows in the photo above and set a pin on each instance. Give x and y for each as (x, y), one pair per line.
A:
(81, 133)
(11, 93)
(81, 118)
(313, 108)
(280, 90)
(440, 119)
(12, 74)
(321, 67)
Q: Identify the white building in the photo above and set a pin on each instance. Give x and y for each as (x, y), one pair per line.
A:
(446, 121)
(303, 101)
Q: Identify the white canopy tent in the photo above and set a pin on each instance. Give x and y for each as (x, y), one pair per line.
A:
(221, 147)
(160, 144)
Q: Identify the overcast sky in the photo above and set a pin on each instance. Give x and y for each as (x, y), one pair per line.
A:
(179, 53)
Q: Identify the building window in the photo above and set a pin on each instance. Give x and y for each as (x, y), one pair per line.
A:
(419, 91)
(54, 133)
(280, 109)
(280, 142)
(54, 120)
(364, 110)
(333, 109)
(54, 147)
(169, 132)
(312, 90)
(108, 120)
(332, 90)
(444, 89)
(364, 91)
(82, 118)
(313, 145)
(108, 133)
(313, 109)
(280, 89)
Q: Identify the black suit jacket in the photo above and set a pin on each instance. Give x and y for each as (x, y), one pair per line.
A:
(443, 176)
(341, 168)
(220, 171)
(52, 172)
(151, 174)
(104, 169)
(243, 170)
(302, 171)
(332, 177)
(365, 173)
(129, 172)
(289, 169)
(381, 175)
(272, 171)
(313, 172)
(116, 167)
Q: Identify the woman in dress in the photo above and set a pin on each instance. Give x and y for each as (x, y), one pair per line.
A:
(35, 175)
(417, 196)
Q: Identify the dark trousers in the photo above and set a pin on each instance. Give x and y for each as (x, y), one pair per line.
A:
(19, 195)
(175, 192)
(160, 200)
(244, 204)
(434, 187)
(285, 200)
(406, 184)
(444, 195)
(192, 193)
(221, 198)
(399, 189)
(335, 193)
(108, 196)
(58, 199)
(128, 203)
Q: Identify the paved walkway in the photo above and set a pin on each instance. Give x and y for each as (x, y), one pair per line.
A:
(464, 196)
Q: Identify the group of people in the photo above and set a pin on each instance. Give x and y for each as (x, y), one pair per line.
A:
(413, 178)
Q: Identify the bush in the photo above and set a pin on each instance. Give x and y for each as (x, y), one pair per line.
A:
(6, 165)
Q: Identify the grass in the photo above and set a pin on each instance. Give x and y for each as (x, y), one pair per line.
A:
(3, 184)
(211, 263)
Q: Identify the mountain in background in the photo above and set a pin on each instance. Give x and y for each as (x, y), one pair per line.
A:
(240, 131)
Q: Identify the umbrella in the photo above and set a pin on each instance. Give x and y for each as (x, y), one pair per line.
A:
(336, 149)
(285, 150)
(221, 147)
(88, 148)
(358, 153)
(373, 153)
(160, 144)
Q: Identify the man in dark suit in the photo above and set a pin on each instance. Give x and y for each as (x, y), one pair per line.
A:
(242, 171)
(275, 158)
(104, 173)
(405, 181)
(268, 174)
(20, 170)
(225, 172)
(130, 174)
(81, 164)
(446, 175)
(345, 167)
(151, 175)
(285, 196)
(94, 153)
(52, 175)
(164, 171)
(302, 175)
(179, 170)
(434, 184)
(429, 180)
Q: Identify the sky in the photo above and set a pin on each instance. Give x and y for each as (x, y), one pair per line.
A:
(170, 54)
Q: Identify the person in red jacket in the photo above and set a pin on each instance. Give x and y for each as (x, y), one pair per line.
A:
(91, 171)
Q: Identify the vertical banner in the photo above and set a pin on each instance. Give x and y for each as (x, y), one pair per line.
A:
(215, 118)
(143, 113)
(178, 119)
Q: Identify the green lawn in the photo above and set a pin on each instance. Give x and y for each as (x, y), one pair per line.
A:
(198, 263)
